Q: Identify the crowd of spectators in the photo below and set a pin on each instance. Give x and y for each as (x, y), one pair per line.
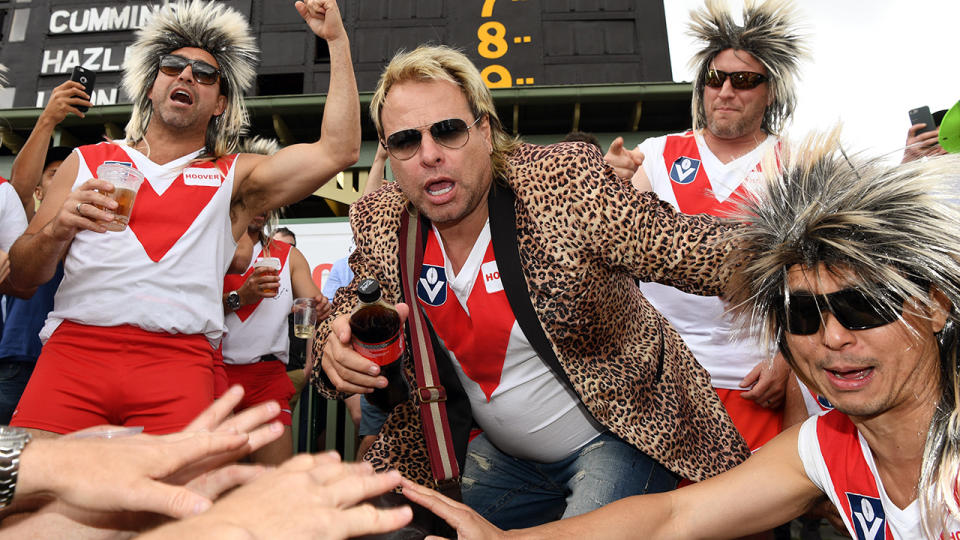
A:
(715, 330)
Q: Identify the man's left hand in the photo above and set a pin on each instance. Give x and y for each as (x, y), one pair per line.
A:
(324, 307)
(323, 17)
(769, 382)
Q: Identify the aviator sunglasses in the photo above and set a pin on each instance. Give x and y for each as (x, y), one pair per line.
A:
(204, 73)
(452, 133)
(801, 313)
(740, 80)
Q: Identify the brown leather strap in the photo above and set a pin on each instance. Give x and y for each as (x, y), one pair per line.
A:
(429, 392)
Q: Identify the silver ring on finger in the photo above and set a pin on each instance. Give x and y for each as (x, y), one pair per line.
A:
(79, 213)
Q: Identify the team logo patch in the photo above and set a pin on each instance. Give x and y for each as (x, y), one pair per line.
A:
(684, 170)
(432, 286)
(202, 177)
(824, 402)
(868, 519)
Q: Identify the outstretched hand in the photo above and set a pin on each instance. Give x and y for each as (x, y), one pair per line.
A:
(468, 523)
(308, 496)
(147, 472)
(623, 160)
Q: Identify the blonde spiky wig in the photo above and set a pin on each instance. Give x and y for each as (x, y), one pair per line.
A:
(769, 34)
(442, 63)
(890, 231)
(213, 27)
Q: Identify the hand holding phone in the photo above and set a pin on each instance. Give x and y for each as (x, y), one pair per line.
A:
(87, 78)
(921, 115)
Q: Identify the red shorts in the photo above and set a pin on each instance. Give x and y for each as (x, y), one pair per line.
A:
(121, 375)
(262, 382)
(757, 424)
(221, 383)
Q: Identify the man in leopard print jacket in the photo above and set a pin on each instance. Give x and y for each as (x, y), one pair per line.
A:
(585, 393)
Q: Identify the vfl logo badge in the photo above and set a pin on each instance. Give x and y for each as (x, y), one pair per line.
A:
(868, 518)
(432, 286)
(823, 402)
(684, 170)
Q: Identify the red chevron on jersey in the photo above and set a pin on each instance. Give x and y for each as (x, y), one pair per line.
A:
(691, 187)
(2, 180)
(158, 221)
(853, 481)
(232, 282)
(478, 340)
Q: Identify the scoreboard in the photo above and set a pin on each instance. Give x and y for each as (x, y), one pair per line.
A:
(514, 43)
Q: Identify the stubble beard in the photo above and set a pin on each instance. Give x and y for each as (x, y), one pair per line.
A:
(727, 130)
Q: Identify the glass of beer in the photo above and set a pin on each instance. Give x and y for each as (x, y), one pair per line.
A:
(304, 317)
(273, 264)
(126, 182)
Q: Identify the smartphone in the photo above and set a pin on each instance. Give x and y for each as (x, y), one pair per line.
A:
(921, 115)
(86, 77)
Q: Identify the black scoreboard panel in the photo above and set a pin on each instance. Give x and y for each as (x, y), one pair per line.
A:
(515, 43)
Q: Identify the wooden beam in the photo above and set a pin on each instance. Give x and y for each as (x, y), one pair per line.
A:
(62, 137)
(284, 135)
(113, 131)
(637, 112)
(11, 140)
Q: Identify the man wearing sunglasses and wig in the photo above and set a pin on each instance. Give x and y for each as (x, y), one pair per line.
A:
(525, 275)
(743, 94)
(138, 315)
(850, 267)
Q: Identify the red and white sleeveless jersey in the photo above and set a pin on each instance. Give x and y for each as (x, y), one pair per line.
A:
(164, 272)
(684, 172)
(260, 328)
(838, 460)
(521, 405)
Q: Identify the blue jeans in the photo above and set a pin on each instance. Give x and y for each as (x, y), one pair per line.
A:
(13, 379)
(514, 493)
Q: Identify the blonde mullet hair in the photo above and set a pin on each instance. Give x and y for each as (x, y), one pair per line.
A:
(441, 63)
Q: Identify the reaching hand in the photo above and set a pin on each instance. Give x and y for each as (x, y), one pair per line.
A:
(306, 497)
(624, 161)
(323, 17)
(143, 472)
(920, 145)
(769, 382)
(469, 524)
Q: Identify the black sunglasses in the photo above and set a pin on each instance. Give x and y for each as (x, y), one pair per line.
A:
(800, 314)
(452, 133)
(204, 73)
(741, 80)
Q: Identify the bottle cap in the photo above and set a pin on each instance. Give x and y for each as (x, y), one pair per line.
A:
(368, 291)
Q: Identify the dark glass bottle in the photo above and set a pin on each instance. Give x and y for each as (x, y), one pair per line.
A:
(378, 335)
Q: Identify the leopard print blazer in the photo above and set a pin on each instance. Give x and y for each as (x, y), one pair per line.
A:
(584, 236)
